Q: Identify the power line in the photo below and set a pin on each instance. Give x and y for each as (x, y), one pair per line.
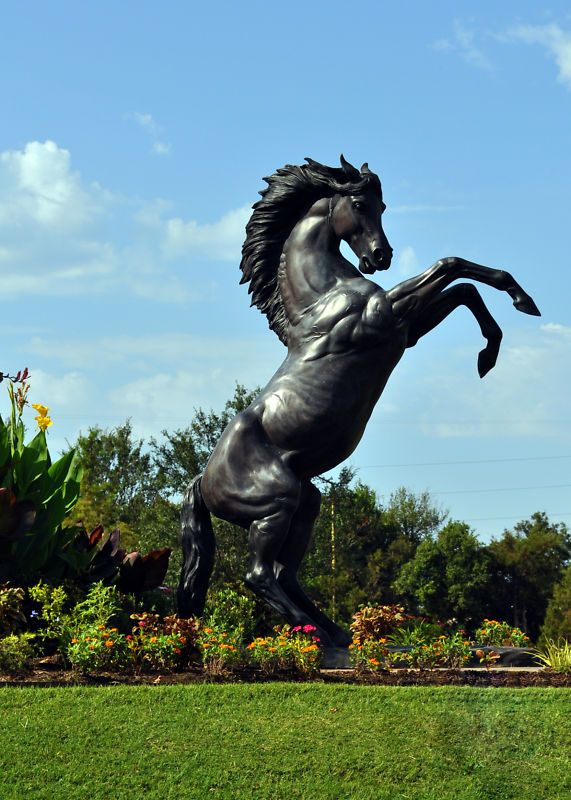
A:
(494, 519)
(505, 489)
(454, 463)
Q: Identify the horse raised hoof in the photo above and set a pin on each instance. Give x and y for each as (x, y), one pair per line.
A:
(526, 305)
(486, 361)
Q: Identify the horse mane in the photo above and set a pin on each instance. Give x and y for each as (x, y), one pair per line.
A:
(291, 191)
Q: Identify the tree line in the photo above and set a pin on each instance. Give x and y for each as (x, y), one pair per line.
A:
(406, 551)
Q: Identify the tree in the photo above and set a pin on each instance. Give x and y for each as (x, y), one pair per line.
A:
(119, 482)
(448, 576)
(183, 453)
(527, 563)
(557, 623)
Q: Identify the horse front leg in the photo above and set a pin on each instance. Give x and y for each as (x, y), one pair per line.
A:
(416, 292)
(464, 294)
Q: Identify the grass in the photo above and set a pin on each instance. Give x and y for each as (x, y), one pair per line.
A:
(285, 741)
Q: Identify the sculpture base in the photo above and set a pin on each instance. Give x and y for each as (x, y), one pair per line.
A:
(335, 658)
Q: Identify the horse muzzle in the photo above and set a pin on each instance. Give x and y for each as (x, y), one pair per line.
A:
(381, 260)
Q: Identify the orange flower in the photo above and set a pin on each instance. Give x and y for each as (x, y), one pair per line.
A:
(177, 650)
(153, 639)
(108, 643)
(74, 641)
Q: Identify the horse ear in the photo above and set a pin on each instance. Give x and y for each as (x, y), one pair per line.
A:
(365, 169)
(349, 169)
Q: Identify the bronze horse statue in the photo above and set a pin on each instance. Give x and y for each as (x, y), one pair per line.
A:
(344, 336)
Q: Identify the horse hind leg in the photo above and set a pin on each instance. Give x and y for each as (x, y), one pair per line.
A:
(291, 556)
(267, 536)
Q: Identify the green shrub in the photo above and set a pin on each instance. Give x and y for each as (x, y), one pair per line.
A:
(295, 650)
(63, 624)
(555, 655)
(162, 644)
(96, 648)
(557, 623)
(376, 622)
(228, 610)
(221, 651)
(15, 651)
(497, 634)
(12, 616)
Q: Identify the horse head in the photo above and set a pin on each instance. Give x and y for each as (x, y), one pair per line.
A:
(356, 218)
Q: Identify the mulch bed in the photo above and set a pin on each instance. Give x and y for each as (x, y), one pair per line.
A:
(48, 671)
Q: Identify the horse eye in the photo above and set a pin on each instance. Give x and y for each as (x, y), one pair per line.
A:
(357, 205)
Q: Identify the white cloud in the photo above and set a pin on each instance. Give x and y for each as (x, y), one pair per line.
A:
(554, 39)
(407, 262)
(154, 130)
(37, 186)
(463, 42)
(524, 395)
(220, 240)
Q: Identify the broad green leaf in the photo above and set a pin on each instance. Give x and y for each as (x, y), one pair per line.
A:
(33, 462)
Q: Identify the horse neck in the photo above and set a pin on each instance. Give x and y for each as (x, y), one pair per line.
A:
(309, 264)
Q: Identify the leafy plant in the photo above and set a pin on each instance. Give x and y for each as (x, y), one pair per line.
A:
(376, 622)
(36, 495)
(228, 610)
(416, 632)
(221, 650)
(370, 654)
(447, 651)
(12, 616)
(15, 651)
(96, 648)
(294, 650)
(555, 655)
(166, 644)
(496, 634)
(63, 624)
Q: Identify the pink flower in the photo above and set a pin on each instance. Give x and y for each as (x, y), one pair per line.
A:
(309, 628)
(141, 624)
(297, 628)
(315, 639)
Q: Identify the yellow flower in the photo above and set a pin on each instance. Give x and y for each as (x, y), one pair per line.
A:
(43, 422)
(74, 641)
(42, 410)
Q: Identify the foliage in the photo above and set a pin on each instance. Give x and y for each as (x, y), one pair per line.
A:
(36, 497)
(15, 651)
(494, 633)
(369, 654)
(448, 576)
(376, 622)
(416, 632)
(221, 650)
(63, 624)
(162, 644)
(294, 650)
(451, 651)
(557, 623)
(96, 647)
(12, 616)
(228, 610)
(487, 657)
(555, 655)
(527, 564)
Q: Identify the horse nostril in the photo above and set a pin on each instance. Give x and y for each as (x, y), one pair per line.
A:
(378, 254)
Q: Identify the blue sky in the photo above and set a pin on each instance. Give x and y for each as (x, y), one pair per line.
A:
(134, 139)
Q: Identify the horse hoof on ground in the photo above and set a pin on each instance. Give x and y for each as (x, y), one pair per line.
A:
(526, 305)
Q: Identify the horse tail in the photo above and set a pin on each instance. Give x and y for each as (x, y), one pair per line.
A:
(198, 545)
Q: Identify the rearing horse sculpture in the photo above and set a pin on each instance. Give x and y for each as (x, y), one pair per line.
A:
(344, 335)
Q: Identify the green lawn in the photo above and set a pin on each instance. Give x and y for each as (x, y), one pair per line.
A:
(284, 741)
